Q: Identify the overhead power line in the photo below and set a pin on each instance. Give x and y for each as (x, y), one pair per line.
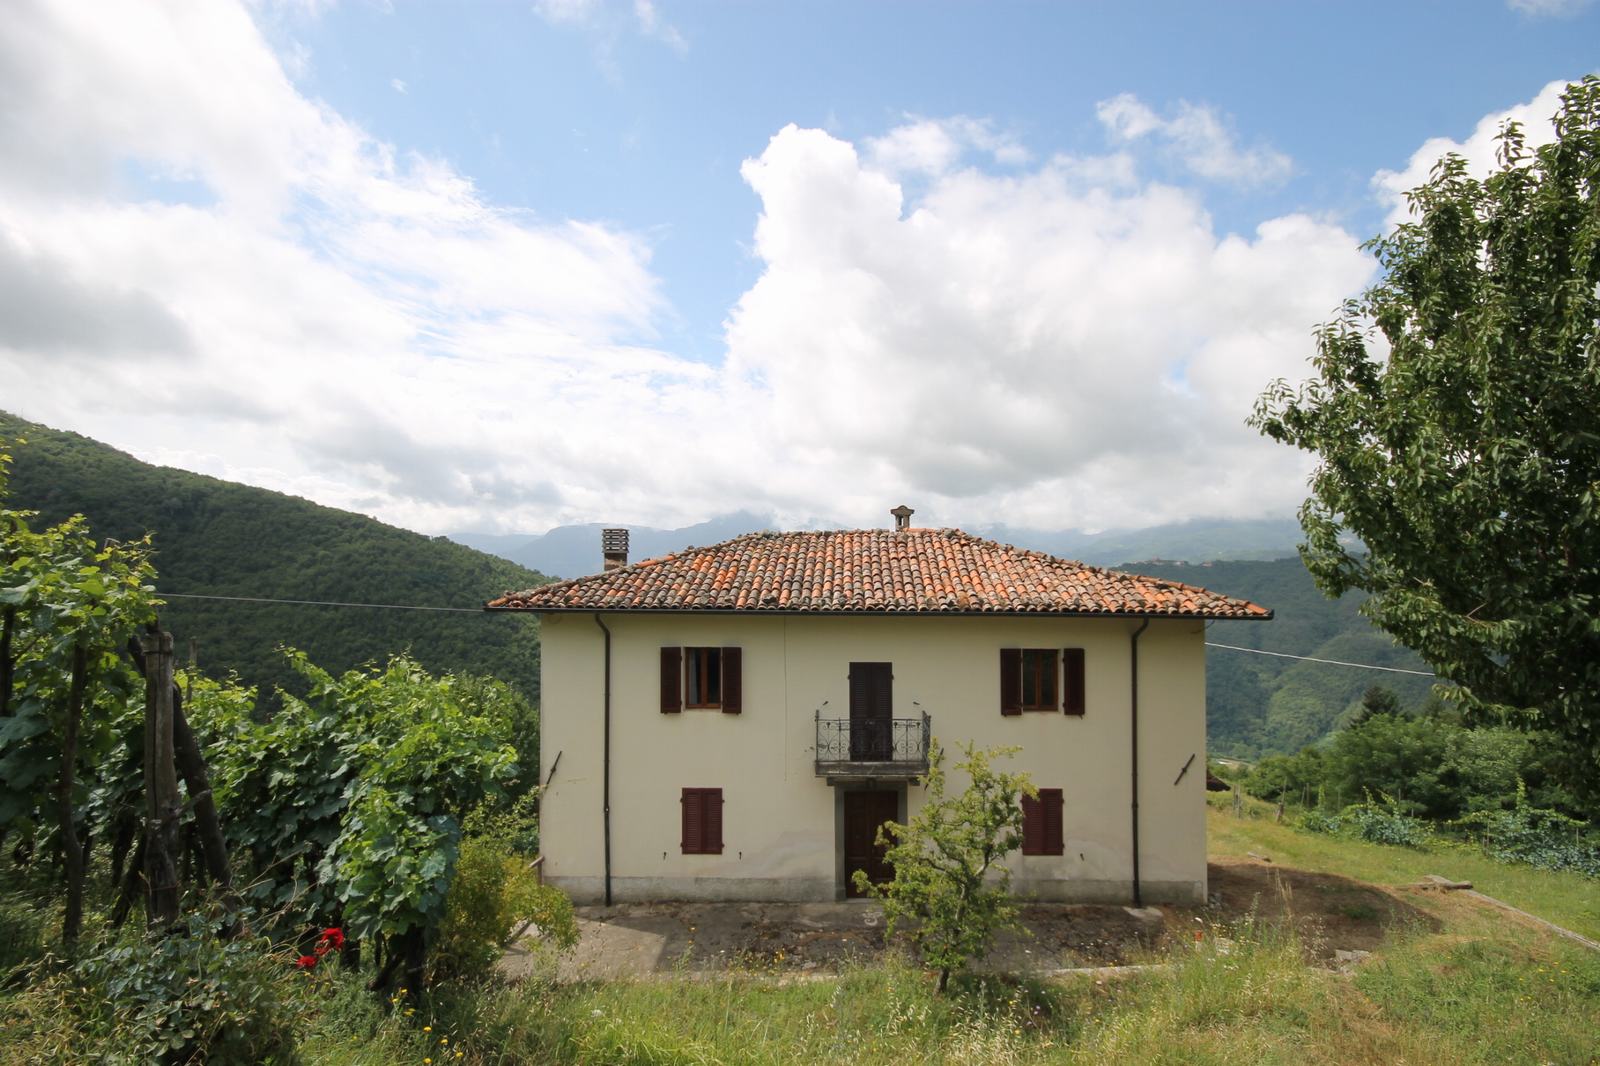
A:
(1328, 662)
(316, 603)
(480, 611)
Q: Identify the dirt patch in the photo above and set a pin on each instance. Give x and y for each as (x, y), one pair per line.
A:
(1329, 912)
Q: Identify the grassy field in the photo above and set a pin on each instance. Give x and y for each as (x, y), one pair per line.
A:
(1469, 986)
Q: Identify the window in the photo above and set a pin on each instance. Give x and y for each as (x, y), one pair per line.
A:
(1039, 679)
(1031, 681)
(702, 821)
(702, 679)
(1041, 823)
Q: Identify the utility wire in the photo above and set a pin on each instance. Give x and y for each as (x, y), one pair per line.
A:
(315, 603)
(1329, 662)
(479, 610)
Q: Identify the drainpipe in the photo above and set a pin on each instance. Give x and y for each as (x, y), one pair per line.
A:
(1133, 655)
(605, 794)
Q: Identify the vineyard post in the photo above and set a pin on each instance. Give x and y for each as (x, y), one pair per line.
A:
(160, 779)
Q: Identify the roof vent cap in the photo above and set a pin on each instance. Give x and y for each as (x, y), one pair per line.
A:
(902, 518)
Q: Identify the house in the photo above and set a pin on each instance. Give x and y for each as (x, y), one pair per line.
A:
(734, 722)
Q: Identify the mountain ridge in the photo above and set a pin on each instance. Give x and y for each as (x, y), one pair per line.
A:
(219, 538)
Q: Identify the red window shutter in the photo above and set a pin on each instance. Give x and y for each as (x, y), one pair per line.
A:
(1072, 699)
(732, 681)
(693, 801)
(671, 680)
(1010, 680)
(713, 824)
(1032, 826)
(1050, 803)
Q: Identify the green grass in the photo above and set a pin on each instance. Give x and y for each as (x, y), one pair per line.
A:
(1479, 989)
(1567, 899)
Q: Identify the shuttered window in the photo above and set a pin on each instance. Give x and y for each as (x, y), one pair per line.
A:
(1030, 679)
(1039, 679)
(702, 679)
(1010, 681)
(702, 821)
(1041, 823)
(732, 680)
(671, 680)
(1072, 698)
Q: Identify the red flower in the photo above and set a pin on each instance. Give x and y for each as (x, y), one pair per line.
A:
(332, 940)
(306, 962)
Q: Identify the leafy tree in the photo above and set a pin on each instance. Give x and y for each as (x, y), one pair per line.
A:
(1375, 701)
(942, 893)
(67, 606)
(1455, 419)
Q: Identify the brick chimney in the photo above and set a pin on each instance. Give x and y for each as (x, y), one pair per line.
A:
(613, 548)
(902, 518)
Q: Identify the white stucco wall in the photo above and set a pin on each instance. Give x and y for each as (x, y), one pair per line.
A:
(779, 819)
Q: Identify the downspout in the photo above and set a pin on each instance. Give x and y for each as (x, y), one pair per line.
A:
(605, 794)
(1133, 655)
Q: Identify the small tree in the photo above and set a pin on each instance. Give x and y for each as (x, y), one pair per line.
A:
(941, 892)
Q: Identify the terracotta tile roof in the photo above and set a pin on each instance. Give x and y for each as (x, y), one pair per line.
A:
(873, 571)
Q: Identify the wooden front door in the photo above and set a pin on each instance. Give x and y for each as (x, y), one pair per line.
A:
(863, 813)
(872, 712)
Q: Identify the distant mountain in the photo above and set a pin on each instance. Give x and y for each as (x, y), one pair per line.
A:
(1200, 540)
(572, 551)
(1261, 705)
(218, 538)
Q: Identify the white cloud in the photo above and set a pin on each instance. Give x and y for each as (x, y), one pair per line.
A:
(932, 146)
(1478, 149)
(1023, 347)
(397, 85)
(1548, 8)
(275, 296)
(1198, 138)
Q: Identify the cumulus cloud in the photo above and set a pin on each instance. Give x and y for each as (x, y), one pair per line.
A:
(1535, 118)
(1198, 138)
(1022, 347)
(937, 318)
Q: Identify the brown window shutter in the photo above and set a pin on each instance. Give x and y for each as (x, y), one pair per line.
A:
(713, 815)
(693, 801)
(1032, 826)
(1010, 680)
(732, 681)
(1050, 803)
(671, 680)
(1072, 700)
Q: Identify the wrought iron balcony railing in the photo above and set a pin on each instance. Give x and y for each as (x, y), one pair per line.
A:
(875, 747)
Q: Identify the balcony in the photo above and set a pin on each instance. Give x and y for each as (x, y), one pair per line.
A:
(863, 748)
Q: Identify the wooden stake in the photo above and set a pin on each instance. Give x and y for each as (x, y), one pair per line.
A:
(160, 779)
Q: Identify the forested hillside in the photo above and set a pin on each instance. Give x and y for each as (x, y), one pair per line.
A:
(216, 537)
(1260, 705)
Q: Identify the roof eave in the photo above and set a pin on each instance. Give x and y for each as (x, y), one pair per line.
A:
(900, 613)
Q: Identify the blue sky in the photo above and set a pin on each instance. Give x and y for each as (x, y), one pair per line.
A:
(594, 118)
(497, 267)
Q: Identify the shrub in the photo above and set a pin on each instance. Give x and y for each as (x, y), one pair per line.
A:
(496, 891)
(188, 996)
(1383, 823)
(950, 891)
(1541, 838)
